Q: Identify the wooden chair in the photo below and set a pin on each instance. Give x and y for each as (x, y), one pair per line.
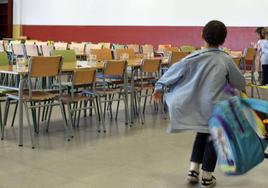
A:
(18, 50)
(119, 52)
(2, 47)
(85, 79)
(79, 48)
(135, 47)
(69, 56)
(90, 46)
(237, 61)
(107, 90)
(102, 54)
(187, 48)
(149, 74)
(46, 50)
(33, 99)
(177, 56)
(60, 45)
(31, 50)
(148, 50)
(249, 59)
(105, 45)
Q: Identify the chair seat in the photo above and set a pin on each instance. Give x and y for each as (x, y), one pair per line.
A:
(144, 86)
(102, 76)
(36, 95)
(75, 98)
(108, 91)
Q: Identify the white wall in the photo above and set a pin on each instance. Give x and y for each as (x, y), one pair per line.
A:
(141, 12)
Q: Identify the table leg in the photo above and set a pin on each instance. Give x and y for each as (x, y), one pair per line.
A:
(21, 86)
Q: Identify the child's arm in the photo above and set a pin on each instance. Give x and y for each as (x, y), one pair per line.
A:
(173, 74)
(236, 79)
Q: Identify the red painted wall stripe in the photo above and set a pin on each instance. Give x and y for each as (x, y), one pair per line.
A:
(238, 37)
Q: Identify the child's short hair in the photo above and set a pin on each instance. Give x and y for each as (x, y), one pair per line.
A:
(214, 33)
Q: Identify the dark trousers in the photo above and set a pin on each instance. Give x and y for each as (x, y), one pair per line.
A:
(204, 152)
(264, 74)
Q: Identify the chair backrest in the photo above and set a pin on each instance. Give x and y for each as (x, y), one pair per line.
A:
(147, 49)
(250, 54)
(84, 76)
(90, 46)
(135, 47)
(237, 61)
(2, 47)
(30, 42)
(3, 58)
(162, 47)
(118, 46)
(68, 55)
(177, 56)
(151, 65)
(120, 52)
(45, 66)
(46, 50)
(105, 45)
(60, 45)
(31, 50)
(115, 68)
(18, 49)
(79, 48)
(236, 53)
(102, 54)
(187, 48)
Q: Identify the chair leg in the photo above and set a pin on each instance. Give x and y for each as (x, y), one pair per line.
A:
(49, 115)
(85, 111)
(126, 108)
(98, 107)
(140, 110)
(145, 100)
(79, 114)
(6, 111)
(97, 119)
(68, 128)
(29, 124)
(102, 120)
(1, 122)
(117, 107)
(14, 114)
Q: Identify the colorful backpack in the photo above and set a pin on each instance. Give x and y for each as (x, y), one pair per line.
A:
(239, 135)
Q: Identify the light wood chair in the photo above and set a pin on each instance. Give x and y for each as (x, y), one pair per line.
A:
(85, 99)
(119, 52)
(79, 48)
(107, 90)
(31, 50)
(149, 74)
(177, 56)
(102, 54)
(148, 50)
(135, 47)
(2, 47)
(18, 50)
(60, 45)
(187, 48)
(33, 99)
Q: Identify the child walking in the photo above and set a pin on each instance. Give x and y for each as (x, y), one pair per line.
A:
(195, 84)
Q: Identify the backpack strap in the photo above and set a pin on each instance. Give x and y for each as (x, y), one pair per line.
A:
(256, 104)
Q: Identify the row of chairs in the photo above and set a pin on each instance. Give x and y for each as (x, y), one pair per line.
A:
(79, 96)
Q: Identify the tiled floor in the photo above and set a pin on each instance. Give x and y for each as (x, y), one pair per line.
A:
(137, 157)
